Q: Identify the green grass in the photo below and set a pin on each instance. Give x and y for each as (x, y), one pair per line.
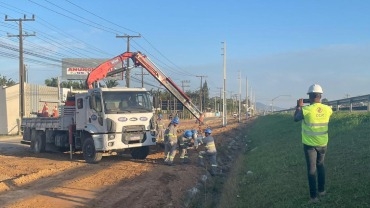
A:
(279, 177)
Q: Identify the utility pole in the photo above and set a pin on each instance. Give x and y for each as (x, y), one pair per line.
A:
(240, 95)
(224, 117)
(246, 97)
(183, 84)
(142, 77)
(21, 64)
(220, 88)
(201, 91)
(128, 60)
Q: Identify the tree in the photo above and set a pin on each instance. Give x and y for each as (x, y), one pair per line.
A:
(111, 83)
(4, 81)
(53, 82)
(205, 96)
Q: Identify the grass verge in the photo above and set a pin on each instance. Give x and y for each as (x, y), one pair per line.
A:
(273, 172)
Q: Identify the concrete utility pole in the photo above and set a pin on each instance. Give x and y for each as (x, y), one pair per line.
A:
(142, 77)
(201, 91)
(224, 117)
(128, 60)
(21, 64)
(183, 84)
(240, 95)
(272, 101)
(246, 97)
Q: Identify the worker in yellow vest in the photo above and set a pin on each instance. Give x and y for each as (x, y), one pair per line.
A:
(315, 119)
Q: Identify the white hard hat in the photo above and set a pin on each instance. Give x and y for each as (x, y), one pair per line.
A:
(315, 88)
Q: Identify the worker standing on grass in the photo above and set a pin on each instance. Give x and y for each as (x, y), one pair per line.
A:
(171, 141)
(210, 151)
(315, 119)
(184, 142)
(160, 129)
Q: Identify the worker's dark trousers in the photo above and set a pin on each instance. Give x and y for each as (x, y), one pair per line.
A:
(315, 161)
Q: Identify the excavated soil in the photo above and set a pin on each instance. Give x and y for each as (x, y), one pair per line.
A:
(55, 180)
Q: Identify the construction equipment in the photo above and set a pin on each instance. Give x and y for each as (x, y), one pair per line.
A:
(141, 60)
(101, 121)
(97, 121)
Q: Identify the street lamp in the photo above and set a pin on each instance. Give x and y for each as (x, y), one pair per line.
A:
(272, 101)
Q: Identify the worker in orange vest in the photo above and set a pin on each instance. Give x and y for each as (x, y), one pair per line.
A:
(55, 112)
(45, 110)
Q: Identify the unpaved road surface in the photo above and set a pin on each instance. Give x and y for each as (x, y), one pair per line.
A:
(54, 180)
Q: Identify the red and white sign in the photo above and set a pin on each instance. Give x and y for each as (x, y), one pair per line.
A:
(78, 71)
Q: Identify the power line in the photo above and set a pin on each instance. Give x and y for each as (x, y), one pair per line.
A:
(21, 65)
(128, 60)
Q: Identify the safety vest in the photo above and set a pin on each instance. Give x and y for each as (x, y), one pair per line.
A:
(209, 144)
(160, 125)
(171, 133)
(315, 124)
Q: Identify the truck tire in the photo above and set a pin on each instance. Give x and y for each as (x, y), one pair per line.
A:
(27, 134)
(89, 152)
(140, 152)
(38, 142)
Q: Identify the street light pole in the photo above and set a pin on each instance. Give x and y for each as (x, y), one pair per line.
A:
(272, 101)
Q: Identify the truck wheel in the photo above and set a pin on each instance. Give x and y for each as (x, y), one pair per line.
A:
(89, 152)
(38, 142)
(27, 134)
(140, 152)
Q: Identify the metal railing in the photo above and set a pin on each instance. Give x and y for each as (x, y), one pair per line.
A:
(358, 103)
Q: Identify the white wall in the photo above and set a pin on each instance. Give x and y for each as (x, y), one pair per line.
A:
(34, 97)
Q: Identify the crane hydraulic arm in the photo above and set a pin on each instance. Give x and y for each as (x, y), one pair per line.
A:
(101, 71)
(141, 60)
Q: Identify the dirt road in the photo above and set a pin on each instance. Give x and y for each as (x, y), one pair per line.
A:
(53, 180)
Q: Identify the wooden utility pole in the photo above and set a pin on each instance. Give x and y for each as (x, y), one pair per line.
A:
(128, 60)
(21, 64)
(201, 91)
(220, 88)
(142, 77)
(183, 84)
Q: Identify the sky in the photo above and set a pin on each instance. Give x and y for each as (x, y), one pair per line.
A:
(276, 48)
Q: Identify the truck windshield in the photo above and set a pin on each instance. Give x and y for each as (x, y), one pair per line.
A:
(127, 102)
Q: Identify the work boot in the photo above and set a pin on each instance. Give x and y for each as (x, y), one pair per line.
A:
(170, 163)
(313, 200)
(322, 193)
(213, 171)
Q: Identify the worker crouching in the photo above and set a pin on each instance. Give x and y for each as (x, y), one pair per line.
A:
(210, 151)
(185, 142)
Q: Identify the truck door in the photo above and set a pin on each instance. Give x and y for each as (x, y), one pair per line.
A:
(81, 115)
(94, 112)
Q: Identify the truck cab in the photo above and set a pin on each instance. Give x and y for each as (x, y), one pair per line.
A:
(116, 119)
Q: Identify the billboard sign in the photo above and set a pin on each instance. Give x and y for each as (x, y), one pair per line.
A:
(79, 68)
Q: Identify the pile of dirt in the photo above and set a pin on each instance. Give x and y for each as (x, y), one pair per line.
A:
(53, 180)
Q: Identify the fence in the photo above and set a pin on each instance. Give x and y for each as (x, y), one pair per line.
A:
(359, 103)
